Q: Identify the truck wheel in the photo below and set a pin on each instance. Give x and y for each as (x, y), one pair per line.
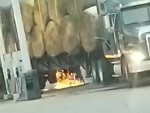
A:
(42, 82)
(42, 79)
(131, 78)
(95, 71)
(107, 70)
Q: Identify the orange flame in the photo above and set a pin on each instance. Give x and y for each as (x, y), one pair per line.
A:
(66, 80)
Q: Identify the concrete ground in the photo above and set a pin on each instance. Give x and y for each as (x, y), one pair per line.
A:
(96, 100)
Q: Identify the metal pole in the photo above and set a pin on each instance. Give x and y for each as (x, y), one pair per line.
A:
(21, 36)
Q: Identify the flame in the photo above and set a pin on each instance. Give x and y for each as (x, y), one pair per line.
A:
(67, 79)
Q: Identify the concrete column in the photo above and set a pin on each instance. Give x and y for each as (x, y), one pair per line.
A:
(21, 36)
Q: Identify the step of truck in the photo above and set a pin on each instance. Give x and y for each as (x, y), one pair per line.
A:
(116, 76)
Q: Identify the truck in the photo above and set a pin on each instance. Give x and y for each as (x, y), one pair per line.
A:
(122, 43)
(126, 37)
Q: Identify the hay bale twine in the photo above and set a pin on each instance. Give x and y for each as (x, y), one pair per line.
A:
(40, 13)
(69, 32)
(37, 45)
(88, 31)
(27, 16)
(53, 41)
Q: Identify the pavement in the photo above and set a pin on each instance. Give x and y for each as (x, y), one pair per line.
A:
(80, 100)
(81, 89)
(86, 89)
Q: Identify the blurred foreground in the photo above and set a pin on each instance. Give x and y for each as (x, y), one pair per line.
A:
(86, 101)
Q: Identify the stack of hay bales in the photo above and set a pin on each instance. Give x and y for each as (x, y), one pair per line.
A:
(84, 29)
(57, 26)
(35, 19)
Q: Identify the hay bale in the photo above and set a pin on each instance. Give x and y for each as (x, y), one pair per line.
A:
(29, 45)
(55, 10)
(88, 31)
(37, 42)
(74, 7)
(31, 2)
(27, 16)
(40, 13)
(53, 41)
(69, 32)
(60, 8)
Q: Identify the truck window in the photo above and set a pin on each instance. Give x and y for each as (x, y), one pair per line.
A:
(138, 15)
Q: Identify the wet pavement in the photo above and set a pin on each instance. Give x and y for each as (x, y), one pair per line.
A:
(126, 100)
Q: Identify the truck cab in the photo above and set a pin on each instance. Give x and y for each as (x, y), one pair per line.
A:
(136, 34)
(126, 35)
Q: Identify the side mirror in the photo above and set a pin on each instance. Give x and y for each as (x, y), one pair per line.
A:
(106, 6)
(101, 8)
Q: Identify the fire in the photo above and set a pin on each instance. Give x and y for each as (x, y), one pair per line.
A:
(66, 79)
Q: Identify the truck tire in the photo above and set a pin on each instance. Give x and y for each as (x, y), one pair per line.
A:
(131, 78)
(107, 71)
(42, 82)
(42, 79)
(52, 76)
(95, 65)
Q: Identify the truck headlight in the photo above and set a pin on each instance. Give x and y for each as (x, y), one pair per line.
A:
(137, 56)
